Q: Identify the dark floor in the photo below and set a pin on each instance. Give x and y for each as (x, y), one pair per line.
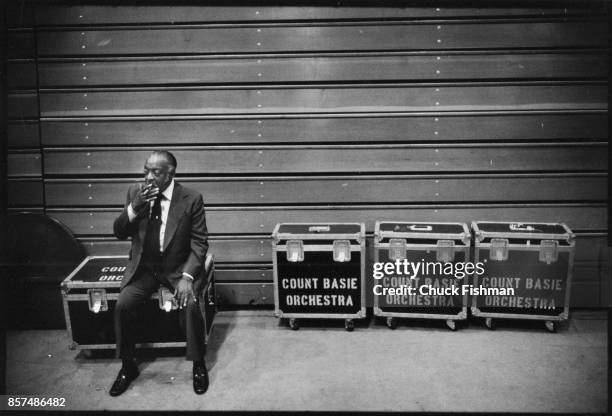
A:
(257, 363)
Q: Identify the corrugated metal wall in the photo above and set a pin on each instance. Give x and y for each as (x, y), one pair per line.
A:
(314, 114)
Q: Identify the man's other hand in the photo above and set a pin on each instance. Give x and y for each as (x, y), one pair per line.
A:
(184, 292)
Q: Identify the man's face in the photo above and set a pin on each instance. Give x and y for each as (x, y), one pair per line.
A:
(158, 172)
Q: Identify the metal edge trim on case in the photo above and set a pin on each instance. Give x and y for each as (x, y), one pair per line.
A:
(315, 247)
(276, 248)
(461, 315)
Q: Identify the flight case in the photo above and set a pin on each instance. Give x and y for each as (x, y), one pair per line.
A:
(319, 271)
(89, 295)
(533, 259)
(421, 242)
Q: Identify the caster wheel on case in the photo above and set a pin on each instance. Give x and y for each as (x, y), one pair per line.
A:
(349, 325)
(551, 326)
(293, 324)
(490, 324)
(452, 325)
(391, 322)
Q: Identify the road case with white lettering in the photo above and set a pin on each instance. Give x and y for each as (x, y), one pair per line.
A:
(419, 271)
(319, 271)
(91, 291)
(528, 266)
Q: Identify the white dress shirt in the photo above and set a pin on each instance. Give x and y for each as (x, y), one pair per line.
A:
(165, 207)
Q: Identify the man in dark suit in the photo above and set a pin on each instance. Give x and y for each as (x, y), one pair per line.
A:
(167, 225)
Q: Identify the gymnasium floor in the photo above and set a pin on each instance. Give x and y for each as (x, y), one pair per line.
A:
(257, 363)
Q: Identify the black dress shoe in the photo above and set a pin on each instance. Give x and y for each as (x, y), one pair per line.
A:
(123, 380)
(200, 378)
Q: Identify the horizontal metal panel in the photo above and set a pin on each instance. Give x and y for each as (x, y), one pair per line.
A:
(99, 14)
(22, 106)
(20, 44)
(19, 13)
(317, 69)
(390, 158)
(325, 129)
(324, 100)
(587, 272)
(237, 275)
(21, 75)
(272, 38)
(263, 220)
(24, 164)
(586, 295)
(593, 248)
(259, 249)
(233, 249)
(22, 193)
(247, 294)
(23, 134)
(351, 189)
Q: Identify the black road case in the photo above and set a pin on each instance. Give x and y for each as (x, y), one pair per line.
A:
(89, 297)
(535, 260)
(319, 271)
(431, 246)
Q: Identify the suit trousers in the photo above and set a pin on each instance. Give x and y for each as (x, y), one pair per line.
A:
(128, 313)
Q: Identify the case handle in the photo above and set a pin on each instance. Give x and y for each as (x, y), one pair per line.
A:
(415, 227)
(319, 228)
(519, 226)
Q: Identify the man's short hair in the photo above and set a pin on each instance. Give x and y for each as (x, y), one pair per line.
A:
(168, 156)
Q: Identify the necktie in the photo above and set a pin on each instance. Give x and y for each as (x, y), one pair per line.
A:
(154, 227)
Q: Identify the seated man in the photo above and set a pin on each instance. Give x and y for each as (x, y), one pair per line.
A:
(167, 225)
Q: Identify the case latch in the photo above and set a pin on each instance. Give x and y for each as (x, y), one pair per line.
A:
(445, 251)
(97, 300)
(342, 251)
(295, 251)
(167, 301)
(397, 249)
(549, 251)
(499, 249)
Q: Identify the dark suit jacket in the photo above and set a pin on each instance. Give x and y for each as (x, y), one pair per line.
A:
(185, 238)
